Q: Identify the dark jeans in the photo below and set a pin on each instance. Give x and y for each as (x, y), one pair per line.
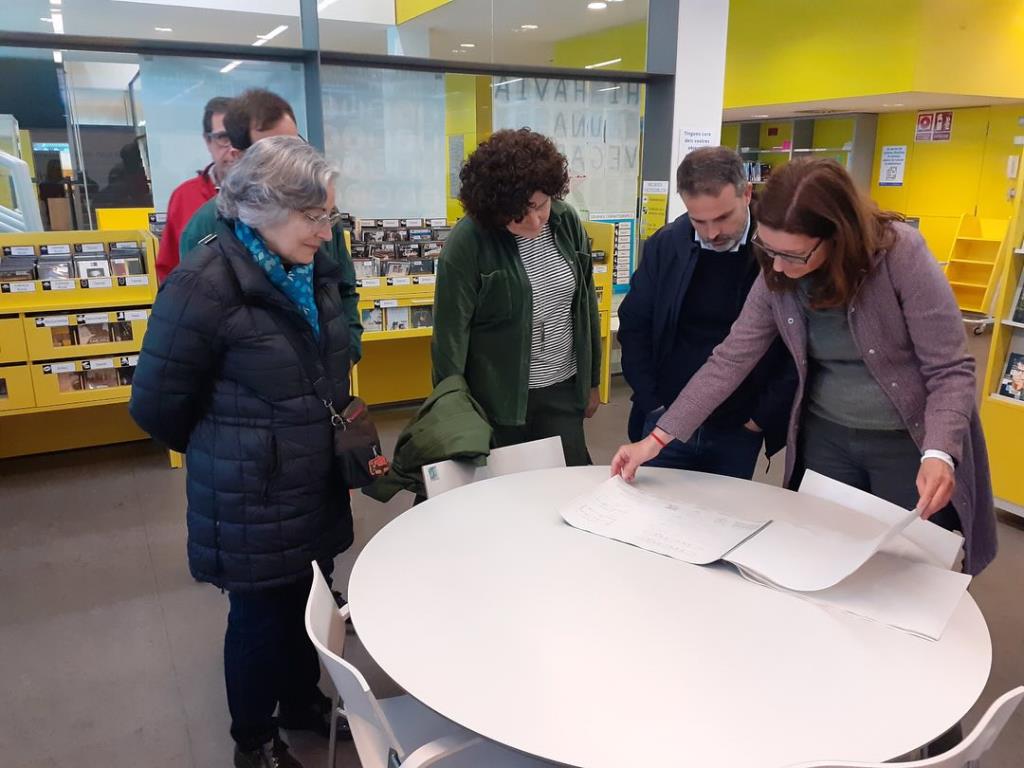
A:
(550, 412)
(269, 659)
(731, 452)
(884, 463)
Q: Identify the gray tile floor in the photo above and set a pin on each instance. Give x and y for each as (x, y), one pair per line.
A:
(110, 655)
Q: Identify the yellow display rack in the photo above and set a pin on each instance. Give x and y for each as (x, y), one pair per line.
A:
(46, 403)
(396, 365)
(1002, 417)
(974, 262)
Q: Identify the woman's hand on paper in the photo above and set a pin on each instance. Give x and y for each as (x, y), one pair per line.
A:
(935, 483)
(629, 457)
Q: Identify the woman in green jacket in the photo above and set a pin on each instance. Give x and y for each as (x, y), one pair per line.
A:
(515, 310)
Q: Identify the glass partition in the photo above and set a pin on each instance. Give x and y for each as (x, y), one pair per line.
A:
(172, 93)
(385, 130)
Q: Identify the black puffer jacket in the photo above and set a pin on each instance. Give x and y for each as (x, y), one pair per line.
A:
(219, 379)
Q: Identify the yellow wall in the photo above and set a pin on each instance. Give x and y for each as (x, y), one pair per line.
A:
(828, 50)
(803, 50)
(944, 180)
(731, 135)
(832, 133)
(410, 9)
(971, 47)
(467, 113)
(628, 42)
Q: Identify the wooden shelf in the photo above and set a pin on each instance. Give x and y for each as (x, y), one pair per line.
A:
(958, 284)
(409, 333)
(996, 397)
(819, 149)
(68, 406)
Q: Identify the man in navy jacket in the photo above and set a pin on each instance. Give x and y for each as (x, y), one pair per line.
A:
(689, 288)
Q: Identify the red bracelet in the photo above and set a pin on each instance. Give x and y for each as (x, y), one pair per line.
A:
(658, 440)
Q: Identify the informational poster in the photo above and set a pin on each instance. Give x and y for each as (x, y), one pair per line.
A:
(653, 207)
(925, 126)
(943, 126)
(893, 165)
(695, 138)
(624, 254)
(456, 149)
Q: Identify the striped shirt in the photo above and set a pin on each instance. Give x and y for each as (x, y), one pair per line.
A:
(552, 351)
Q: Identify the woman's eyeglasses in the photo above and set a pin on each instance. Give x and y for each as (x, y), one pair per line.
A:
(331, 218)
(792, 258)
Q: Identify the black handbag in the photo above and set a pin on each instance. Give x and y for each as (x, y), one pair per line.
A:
(357, 449)
(356, 442)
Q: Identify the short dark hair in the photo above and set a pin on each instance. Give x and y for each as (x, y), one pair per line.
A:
(256, 108)
(708, 170)
(504, 172)
(218, 105)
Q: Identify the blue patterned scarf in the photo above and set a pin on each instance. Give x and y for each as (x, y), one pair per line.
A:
(295, 283)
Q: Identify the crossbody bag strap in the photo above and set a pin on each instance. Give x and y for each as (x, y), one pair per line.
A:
(314, 371)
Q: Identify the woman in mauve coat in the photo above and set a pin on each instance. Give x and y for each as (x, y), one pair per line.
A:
(886, 394)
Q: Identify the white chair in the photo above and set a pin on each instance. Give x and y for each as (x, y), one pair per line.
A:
(443, 476)
(397, 730)
(967, 753)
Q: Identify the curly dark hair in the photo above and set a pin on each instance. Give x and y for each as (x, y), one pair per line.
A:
(504, 172)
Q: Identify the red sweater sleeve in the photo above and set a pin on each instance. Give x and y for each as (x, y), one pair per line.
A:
(167, 256)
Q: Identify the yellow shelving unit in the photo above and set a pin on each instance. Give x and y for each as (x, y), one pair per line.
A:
(973, 268)
(396, 364)
(57, 390)
(1002, 417)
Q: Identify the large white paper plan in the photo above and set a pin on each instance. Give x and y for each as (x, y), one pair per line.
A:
(668, 527)
(911, 596)
(921, 541)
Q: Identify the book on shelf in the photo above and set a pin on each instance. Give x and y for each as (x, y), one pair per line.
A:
(1018, 302)
(1012, 382)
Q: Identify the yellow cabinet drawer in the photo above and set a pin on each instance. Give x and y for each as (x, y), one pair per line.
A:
(56, 336)
(12, 340)
(98, 379)
(16, 388)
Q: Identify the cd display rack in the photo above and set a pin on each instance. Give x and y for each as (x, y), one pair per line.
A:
(396, 308)
(74, 307)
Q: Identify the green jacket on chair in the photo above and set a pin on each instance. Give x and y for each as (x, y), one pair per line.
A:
(449, 425)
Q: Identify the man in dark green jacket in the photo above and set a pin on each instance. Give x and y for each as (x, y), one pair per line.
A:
(515, 310)
(258, 114)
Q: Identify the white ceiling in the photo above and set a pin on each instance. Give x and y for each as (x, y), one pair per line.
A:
(883, 102)
(495, 27)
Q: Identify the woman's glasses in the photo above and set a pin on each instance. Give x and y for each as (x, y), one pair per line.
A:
(792, 258)
(331, 218)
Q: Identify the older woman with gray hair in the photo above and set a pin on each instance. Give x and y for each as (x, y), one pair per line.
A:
(222, 376)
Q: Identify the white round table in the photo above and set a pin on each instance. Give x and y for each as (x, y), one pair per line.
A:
(485, 606)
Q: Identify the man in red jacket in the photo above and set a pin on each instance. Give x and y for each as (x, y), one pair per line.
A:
(190, 195)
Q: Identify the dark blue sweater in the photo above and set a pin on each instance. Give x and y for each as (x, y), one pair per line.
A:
(680, 306)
